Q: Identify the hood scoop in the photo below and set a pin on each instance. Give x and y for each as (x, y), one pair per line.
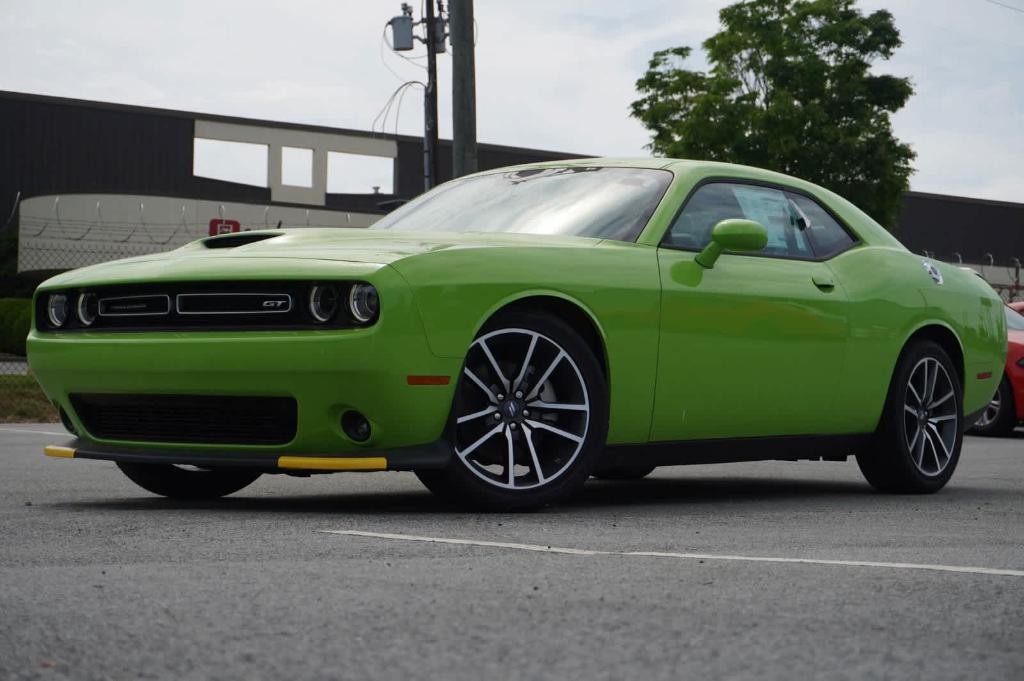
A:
(236, 240)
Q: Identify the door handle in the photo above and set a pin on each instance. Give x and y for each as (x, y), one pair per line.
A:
(824, 281)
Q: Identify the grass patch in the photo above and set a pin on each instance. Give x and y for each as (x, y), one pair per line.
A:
(23, 401)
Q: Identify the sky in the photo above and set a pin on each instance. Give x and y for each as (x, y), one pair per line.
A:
(551, 74)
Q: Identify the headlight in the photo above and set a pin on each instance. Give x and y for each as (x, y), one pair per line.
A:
(363, 302)
(57, 309)
(87, 307)
(1020, 362)
(323, 302)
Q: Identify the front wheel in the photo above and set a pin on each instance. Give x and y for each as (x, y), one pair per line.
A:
(529, 418)
(917, 445)
(1000, 416)
(177, 482)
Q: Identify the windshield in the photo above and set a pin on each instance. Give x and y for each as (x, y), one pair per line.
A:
(1014, 319)
(603, 203)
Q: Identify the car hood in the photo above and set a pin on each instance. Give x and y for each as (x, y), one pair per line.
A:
(377, 246)
(269, 254)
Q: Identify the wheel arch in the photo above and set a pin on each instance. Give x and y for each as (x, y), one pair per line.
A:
(944, 337)
(575, 313)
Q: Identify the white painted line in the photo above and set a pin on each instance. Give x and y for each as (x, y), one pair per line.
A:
(34, 432)
(1002, 572)
(848, 563)
(468, 542)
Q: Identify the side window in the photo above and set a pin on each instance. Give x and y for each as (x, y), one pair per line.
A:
(719, 201)
(827, 236)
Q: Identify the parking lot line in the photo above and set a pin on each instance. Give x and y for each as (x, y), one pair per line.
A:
(1001, 572)
(48, 433)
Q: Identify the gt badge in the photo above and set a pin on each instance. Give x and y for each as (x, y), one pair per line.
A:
(933, 272)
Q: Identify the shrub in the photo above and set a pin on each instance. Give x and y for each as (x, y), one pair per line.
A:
(15, 318)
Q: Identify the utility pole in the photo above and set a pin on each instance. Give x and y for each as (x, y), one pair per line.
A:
(464, 160)
(434, 38)
(430, 101)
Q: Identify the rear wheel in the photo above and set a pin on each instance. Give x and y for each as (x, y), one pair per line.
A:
(179, 482)
(1000, 416)
(917, 446)
(530, 416)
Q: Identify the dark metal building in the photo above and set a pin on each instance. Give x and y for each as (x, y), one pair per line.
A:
(74, 170)
(958, 228)
(51, 145)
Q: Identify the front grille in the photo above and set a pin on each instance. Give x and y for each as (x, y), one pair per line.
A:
(135, 306)
(206, 419)
(233, 303)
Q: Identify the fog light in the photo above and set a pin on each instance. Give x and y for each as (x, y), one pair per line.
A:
(57, 309)
(355, 426)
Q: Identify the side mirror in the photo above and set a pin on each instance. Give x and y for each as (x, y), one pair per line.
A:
(733, 235)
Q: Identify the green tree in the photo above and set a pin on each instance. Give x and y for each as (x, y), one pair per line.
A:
(789, 88)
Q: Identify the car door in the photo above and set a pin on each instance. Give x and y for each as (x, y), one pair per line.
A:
(753, 346)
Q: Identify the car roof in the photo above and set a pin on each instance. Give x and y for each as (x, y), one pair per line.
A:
(862, 223)
(677, 165)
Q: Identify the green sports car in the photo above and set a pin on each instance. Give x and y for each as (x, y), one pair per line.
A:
(508, 334)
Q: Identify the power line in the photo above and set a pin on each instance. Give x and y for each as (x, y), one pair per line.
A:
(398, 107)
(390, 102)
(396, 104)
(1003, 4)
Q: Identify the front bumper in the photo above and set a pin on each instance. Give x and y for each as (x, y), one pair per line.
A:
(327, 372)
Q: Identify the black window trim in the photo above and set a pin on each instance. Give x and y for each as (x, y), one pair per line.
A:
(725, 179)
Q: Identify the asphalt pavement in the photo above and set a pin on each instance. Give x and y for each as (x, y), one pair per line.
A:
(100, 580)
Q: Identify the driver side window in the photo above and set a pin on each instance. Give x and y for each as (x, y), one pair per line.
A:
(718, 201)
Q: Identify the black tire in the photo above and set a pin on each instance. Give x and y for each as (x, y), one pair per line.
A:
(181, 483)
(888, 463)
(469, 482)
(623, 472)
(1000, 416)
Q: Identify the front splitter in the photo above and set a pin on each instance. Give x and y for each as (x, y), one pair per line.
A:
(433, 455)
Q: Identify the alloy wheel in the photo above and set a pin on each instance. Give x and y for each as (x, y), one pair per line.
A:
(991, 412)
(931, 417)
(524, 409)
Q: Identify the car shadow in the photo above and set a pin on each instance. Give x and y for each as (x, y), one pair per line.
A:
(363, 503)
(1017, 434)
(718, 490)
(727, 492)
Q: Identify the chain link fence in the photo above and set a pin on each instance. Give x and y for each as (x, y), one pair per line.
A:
(41, 252)
(45, 235)
(1005, 278)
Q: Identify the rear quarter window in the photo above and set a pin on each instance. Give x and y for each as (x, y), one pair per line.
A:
(827, 236)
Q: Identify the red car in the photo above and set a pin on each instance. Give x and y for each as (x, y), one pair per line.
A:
(1006, 409)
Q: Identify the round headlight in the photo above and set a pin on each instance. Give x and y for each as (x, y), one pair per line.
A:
(87, 306)
(323, 302)
(363, 302)
(57, 309)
